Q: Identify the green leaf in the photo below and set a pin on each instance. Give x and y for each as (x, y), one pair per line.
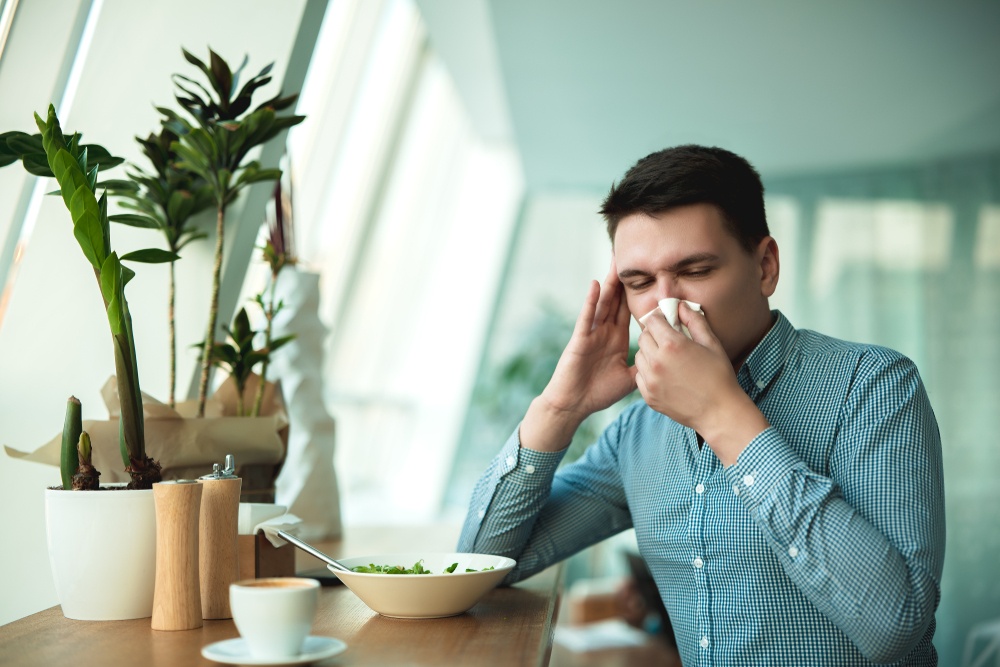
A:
(87, 226)
(102, 206)
(241, 326)
(255, 176)
(279, 103)
(278, 343)
(225, 176)
(115, 315)
(69, 176)
(193, 160)
(81, 159)
(22, 143)
(111, 283)
(118, 185)
(222, 77)
(92, 178)
(204, 101)
(109, 277)
(225, 353)
(74, 146)
(194, 236)
(179, 206)
(134, 220)
(100, 156)
(37, 164)
(52, 136)
(195, 61)
(253, 358)
(151, 256)
(127, 275)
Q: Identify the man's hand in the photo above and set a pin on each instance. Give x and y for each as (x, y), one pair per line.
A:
(693, 383)
(592, 373)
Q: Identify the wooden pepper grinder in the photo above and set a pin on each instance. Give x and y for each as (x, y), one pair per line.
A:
(219, 560)
(176, 595)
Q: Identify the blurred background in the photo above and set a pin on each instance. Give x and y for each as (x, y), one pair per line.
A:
(445, 188)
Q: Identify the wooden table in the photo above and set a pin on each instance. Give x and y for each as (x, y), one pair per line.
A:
(510, 626)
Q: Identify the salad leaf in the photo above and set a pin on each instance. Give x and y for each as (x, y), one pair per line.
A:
(418, 568)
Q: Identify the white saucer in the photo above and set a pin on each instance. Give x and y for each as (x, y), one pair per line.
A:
(236, 652)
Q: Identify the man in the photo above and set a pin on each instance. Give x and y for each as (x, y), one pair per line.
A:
(785, 487)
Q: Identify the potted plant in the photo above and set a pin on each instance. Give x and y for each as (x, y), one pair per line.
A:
(167, 199)
(238, 356)
(200, 160)
(113, 576)
(213, 143)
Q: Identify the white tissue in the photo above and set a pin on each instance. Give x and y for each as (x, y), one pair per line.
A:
(286, 522)
(266, 518)
(669, 308)
(253, 514)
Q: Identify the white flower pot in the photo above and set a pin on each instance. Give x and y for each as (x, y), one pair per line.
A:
(102, 549)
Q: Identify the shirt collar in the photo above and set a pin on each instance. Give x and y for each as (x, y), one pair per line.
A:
(767, 358)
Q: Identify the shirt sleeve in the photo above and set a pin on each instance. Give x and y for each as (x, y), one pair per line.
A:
(863, 541)
(523, 509)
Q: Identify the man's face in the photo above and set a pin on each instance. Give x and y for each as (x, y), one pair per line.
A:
(687, 253)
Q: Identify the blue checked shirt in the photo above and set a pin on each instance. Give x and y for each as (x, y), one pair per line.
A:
(822, 545)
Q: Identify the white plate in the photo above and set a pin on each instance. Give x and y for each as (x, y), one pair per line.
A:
(236, 652)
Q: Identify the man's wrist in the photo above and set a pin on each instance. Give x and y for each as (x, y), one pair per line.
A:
(546, 428)
(734, 427)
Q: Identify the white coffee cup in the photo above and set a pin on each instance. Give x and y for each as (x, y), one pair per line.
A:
(274, 615)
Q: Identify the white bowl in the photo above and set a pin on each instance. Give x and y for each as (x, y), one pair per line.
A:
(425, 595)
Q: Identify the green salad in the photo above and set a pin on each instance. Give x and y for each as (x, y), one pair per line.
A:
(418, 568)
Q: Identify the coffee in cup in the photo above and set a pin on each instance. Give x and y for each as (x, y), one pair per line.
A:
(274, 615)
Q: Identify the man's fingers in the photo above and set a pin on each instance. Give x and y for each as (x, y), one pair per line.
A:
(640, 384)
(607, 305)
(585, 320)
(622, 315)
(696, 323)
(658, 328)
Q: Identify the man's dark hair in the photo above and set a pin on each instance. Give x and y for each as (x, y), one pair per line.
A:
(692, 174)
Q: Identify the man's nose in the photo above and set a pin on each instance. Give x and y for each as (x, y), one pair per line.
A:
(665, 289)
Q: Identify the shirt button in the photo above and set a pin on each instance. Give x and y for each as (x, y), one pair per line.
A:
(481, 513)
(529, 468)
(736, 489)
(704, 642)
(699, 488)
(698, 562)
(760, 384)
(511, 460)
(748, 480)
(793, 552)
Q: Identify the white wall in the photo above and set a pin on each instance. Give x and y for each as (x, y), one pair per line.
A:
(54, 340)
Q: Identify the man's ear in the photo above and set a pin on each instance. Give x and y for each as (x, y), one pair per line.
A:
(768, 264)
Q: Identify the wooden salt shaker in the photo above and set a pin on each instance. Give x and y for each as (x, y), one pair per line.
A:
(219, 563)
(176, 595)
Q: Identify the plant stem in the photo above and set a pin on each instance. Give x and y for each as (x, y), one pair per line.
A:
(173, 335)
(213, 313)
(239, 399)
(269, 316)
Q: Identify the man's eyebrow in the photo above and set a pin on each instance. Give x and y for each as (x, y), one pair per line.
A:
(697, 258)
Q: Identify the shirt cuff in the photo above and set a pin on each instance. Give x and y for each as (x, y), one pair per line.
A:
(766, 460)
(527, 467)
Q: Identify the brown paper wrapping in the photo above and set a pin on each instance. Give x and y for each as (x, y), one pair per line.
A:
(187, 446)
